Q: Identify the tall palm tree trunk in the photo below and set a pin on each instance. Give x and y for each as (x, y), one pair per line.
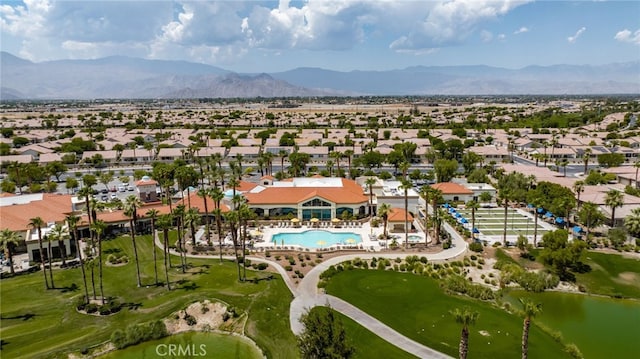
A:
(167, 261)
(44, 267)
(93, 282)
(50, 264)
(84, 276)
(464, 343)
(135, 251)
(100, 268)
(504, 233)
(525, 338)
(244, 259)
(153, 248)
(535, 228)
(219, 229)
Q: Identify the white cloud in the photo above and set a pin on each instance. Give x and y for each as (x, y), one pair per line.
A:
(521, 30)
(572, 39)
(502, 37)
(627, 36)
(486, 36)
(451, 22)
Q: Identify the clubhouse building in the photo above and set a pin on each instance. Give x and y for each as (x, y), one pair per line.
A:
(318, 197)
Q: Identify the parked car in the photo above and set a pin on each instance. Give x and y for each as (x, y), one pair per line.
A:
(104, 197)
(114, 196)
(121, 188)
(130, 188)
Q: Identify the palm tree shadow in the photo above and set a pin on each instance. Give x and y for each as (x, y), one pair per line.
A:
(3, 343)
(24, 317)
(70, 288)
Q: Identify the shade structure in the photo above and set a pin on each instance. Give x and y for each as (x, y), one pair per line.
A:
(559, 220)
(255, 233)
(476, 230)
(529, 205)
(295, 220)
(540, 210)
(446, 205)
(451, 210)
(314, 220)
(577, 229)
(458, 215)
(548, 214)
(335, 220)
(463, 220)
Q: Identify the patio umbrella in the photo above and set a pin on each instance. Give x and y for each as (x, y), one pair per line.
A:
(321, 243)
(464, 220)
(458, 215)
(295, 220)
(350, 240)
(548, 214)
(335, 220)
(577, 229)
(476, 230)
(559, 220)
(540, 210)
(446, 205)
(314, 220)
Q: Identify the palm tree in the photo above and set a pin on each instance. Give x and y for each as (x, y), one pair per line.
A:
(282, 154)
(131, 205)
(337, 155)
(179, 212)
(204, 193)
(37, 223)
(425, 192)
(348, 154)
(632, 222)
(245, 214)
(436, 197)
(585, 158)
(406, 185)
(503, 198)
(370, 182)
(590, 216)
(383, 211)
(578, 187)
(59, 233)
(217, 195)
(192, 219)
(153, 215)
(637, 166)
(466, 318)
(98, 228)
(164, 223)
(72, 223)
(50, 239)
(232, 219)
(530, 310)
(9, 239)
(614, 199)
(473, 205)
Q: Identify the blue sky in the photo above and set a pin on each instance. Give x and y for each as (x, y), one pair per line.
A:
(270, 36)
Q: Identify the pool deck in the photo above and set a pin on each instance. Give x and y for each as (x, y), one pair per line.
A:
(368, 234)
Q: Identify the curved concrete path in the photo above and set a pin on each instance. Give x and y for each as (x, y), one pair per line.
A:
(306, 294)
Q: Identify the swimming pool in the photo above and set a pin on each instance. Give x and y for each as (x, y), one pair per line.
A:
(316, 239)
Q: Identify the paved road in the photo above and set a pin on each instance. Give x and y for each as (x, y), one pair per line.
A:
(306, 294)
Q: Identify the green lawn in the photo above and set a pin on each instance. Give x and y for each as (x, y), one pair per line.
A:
(416, 307)
(367, 344)
(611, 274)
(31, 314)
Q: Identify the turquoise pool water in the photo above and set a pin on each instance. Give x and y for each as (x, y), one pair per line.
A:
(316, 239)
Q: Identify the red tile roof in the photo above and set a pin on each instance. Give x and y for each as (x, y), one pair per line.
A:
(451, 188)
(397, 215)
(52, 208)
(349, 193)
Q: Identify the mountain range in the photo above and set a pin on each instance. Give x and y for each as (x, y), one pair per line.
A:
(126, 77)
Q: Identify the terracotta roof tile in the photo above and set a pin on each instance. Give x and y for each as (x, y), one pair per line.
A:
(397, 215)
(451, 188)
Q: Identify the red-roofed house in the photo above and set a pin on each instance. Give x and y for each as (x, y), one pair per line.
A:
(453, 191)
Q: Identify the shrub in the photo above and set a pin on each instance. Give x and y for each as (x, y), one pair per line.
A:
(573, 350)
(288, 268)
(262, 266)
(91, 308)
(190, 319)
(277, 257)
(476, 247)
(292, 262)
(267, 254)
(423, 260)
